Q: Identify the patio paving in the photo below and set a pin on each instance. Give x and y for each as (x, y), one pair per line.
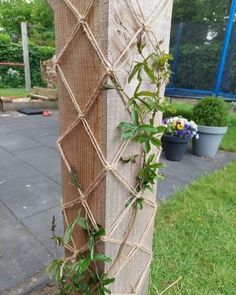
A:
(30, 195)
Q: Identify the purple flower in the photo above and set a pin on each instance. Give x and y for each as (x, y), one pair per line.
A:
(164, 121)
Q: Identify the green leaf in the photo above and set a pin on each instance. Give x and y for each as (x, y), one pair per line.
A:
(150, 188)
(150, 73)
(128, 134)
(141, 138)
(150, 159)
(147, 128)
(74, 179)
(131, 159)
(69, 232)
(81, 222)
(135, 116)
(138, 86)
(139, 203)
(156, 165)
(108, 87)
(101, 257)
(126, 125)
(91, 247)
(54, 270)
(156, 141)
(146, 104)
(134, 71)
(108, 281)
(84, 264)
(100, 233)
(147, 147)
(59, 241)
(107, 291)
(160, 129)
(145, 93)
(141, 46)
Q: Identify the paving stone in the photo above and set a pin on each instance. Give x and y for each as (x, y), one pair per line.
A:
(26, 201)
(48, 140)
(38, 131)
(178, 174)
(5, 129)
(21, 255)
(167, 187)
(17, 142)
(18, 177)
(57, 178)
(43, 158)
(40, 226)
(8, 160)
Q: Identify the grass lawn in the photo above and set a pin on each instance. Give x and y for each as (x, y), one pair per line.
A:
(229, 141)
(195, 238)
(16, 92)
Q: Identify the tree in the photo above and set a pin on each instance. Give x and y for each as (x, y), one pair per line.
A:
(200, 11)
(42, 24)
(12, 13)
(36, 13)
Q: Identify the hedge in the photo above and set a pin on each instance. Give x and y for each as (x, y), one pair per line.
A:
(13, 77)
(197, 68)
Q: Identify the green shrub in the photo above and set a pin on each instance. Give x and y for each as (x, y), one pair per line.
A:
(4, 37)
(211, 111)
(13, 77)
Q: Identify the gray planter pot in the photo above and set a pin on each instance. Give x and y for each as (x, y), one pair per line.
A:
(209, 140)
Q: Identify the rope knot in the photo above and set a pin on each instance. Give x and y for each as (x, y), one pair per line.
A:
(82, 196)
(82, 21)
(81, 116)
(104, 239)
(110, 71)
(110, 167)
(146, 27)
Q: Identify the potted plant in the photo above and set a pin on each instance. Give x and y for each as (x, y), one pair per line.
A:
(177, 134)
(211, 116)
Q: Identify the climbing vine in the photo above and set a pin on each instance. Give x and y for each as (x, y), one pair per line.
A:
(80, 273)
(144, 106)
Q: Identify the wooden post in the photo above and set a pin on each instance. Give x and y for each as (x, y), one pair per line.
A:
(96, 44)
(24, 34)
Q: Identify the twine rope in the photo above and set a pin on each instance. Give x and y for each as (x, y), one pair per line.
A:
(110, 71)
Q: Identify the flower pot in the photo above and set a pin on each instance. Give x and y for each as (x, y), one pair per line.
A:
(175, 147)
(208, 141)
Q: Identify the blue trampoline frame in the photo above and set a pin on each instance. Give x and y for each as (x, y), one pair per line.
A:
(195, 93)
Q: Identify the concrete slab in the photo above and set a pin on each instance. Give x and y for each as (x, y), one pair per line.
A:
(57, 178)
(30, 200)
(38, 131)
(169, 186)
(44, 159)
(40, 226)
(18, 177)
(48, 140)
(5, 129)
(8, 160)
(21, 255)
(17, 142)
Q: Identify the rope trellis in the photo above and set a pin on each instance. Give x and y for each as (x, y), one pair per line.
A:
(110, 72)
